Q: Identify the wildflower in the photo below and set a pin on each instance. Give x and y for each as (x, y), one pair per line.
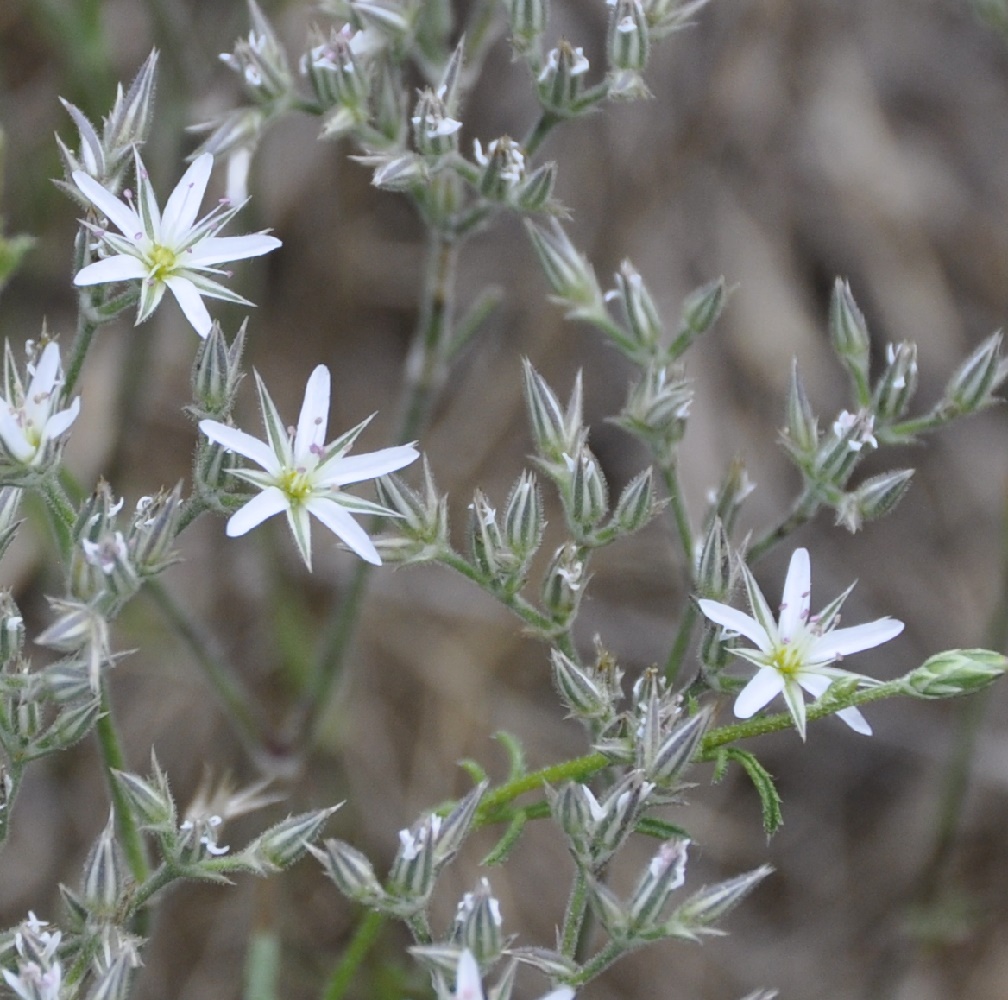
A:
(302, 475)
(171, 250)
(468, 984)
(30, 421)
(795, 652)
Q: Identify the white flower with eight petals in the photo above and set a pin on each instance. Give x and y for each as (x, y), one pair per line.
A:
(301, 475)
(795, 652)
(171, 250)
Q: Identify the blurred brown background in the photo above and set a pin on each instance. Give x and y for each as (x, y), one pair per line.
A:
(787, 143)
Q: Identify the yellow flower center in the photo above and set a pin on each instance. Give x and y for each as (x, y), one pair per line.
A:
(786, 659)
(162, 261)
(296, 485)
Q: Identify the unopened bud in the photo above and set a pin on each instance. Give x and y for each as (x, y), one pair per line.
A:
(677, 750)
(536, 192)
(217, 372)
(628, 41)
(713, 901)
(283, 844)
(955, 672)
(873, 499)
(579, 691)
(642, 314)
(588, 492)
(523, 517)
(12, 630)
(849, 333)
(974, 383)
(105, 873)
(563, 585)
(609, 909)
(898, 383)
(663, 876)
(350, 870)
(802, 431)
(528, 21)
(478, 924)
(636, 504)
(714, 569)
(568, 272)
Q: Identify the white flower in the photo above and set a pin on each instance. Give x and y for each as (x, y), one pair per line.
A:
(468, 985)
(302, 475)
(795, 652)
(30, 420)
(171, 250)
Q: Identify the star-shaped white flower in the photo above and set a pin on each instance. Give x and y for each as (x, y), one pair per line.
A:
(172, 249)
(795, 652)
(469, 986)
(30, 421)
(301, 475)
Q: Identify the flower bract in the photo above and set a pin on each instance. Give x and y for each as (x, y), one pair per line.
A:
(300, 475)
(795, 652)
(172, 249)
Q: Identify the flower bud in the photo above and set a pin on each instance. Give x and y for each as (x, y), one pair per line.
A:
(435, 132)
(713, 901)
(10, 501)
(587, 492)
(702, 307)
(801, 436)
(618, 814)
(150, 800)
(556, 432)
(839, 452)
(523, 518)
(561, 80)
(628, 42)
(283, 844)
(578, 690)
(609, 909)
(642, 314)
(568, 272)
(332, 70)
(658, 406)
(478, 924)
(105, 873)
(898, 383)
(665, 873)
(503, 168)
(563, 585)
(413, 872)
(536, 192)
(129, 122)
(153, 531)
(350, 870)
(401, 173)
(260, 60)
(849, 333)
(677, 749)
(528, 20)
(955, 672)
(974, 383)
(12, 630)
(714, 568)
(873, 499)
(489, 552)
(636, 504)
(217, 372)
(71, 725)
(454, 828)
(573, 807)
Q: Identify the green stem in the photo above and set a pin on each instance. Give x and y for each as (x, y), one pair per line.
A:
(86, 329)
(801, 511)
(62, 514)
(670, 474)
(367, 933)
(609, 954)
(574, 915)
(231, 695)
(577, 769)
(113, 760)
(542, 128)
(681, 642)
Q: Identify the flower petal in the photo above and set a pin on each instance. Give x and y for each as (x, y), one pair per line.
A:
(794, 608)
(341, 524)
(217, 249)
(856, 721)
(467, 978)
(192, 305)
(842, 641)
(760, 691)
(357, 468)
(117, 212)
(58, 423)
(309, 439)
(46, 372)
(736, 621)
(13, 436)
(271, 501)
(118, 268)
(184, 202)
(244, 444)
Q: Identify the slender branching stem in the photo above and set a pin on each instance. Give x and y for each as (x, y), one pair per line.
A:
(364, 938)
